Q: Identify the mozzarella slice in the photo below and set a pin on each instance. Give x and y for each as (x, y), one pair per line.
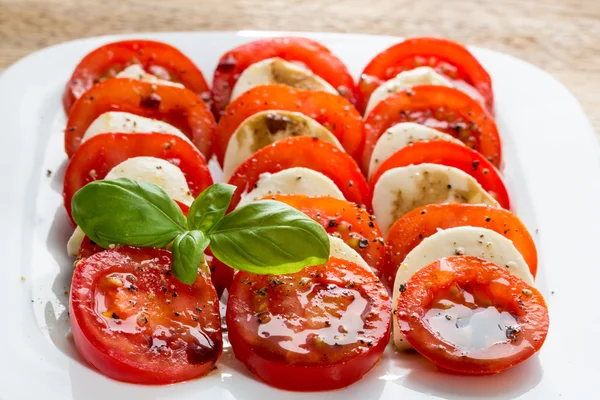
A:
(135, 71)
(405, 80)
(402, 189)
(339, 249)
(464, 240)
(295, 180)
(265, 128)
(75, 241)
(123, 122)
(144, 169)
(401, 135)
(277, 70)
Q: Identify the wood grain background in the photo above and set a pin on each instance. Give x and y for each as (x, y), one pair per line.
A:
(560, 36)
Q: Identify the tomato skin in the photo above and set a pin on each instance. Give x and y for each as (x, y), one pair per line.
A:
(318, 58)
(179, 107)
(415, 226)
(108, 60)
(482, 278)
(307, 152)
(446, 109)
(328, 366)
(334, 112)
(221, 274)
(445, 56)
(340, 218)
(451, 155)
(103, 152)
(119, 347)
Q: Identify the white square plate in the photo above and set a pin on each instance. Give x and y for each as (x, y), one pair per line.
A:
(552, 168)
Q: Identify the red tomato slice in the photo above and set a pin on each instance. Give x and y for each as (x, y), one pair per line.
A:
(221, 274)
(446, 57)
(445, 109)
(445, 297)
(316, 57)
(451, 155)
(307, 152)
(410, 230)
(159, 59)
(331, 111)
(340, 218)
(98, 155)
(179, 107)
(136, 323)
(322, 328)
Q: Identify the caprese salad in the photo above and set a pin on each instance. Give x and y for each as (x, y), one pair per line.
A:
(350, 214)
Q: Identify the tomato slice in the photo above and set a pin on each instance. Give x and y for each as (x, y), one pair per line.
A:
(316, 57)
(159, 59)
(221, 274)
(446, 57)
(322, 328)
(333, 112)
(471, 316)
(98, 155)
(452, 155)
(340, 218)
(445, 109)
(134, 322)
(410, 230)
(307, 152)
(177, 106)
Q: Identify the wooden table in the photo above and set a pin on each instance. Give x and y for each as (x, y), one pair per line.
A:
(561, 36)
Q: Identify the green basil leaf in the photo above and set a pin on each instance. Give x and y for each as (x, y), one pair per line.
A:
(269, 237)
(188, 253)
(124, 211)
(208, 208)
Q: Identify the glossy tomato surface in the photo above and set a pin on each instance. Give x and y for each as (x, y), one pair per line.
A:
(471, 316)
(451, 155)
(445, 56)
(410, 230)
(98, 155)
(322, 328)
(179, 107)
(311, 54)
(340, 218)
(133, 321)
(156, 58)
(446, 109)
(334, 112)
(307, 152)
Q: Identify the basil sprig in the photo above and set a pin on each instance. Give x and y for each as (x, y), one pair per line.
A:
(264, 237)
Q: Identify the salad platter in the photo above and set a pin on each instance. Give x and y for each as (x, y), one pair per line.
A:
(362, 216)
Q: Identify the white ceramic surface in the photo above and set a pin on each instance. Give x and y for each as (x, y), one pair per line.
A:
(551, 166)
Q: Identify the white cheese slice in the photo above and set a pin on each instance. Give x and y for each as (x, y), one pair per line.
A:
(405, 80)
(279, 71)
(339, 249)
(265, 128)
(123, 122)
(401, 135)
(297, 180)
(464, 240)
(399, 190)
(135, 71)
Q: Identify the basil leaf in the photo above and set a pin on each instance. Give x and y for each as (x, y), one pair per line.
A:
(124, 211)
(208, 208)
(269, 237)
(188, 253)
